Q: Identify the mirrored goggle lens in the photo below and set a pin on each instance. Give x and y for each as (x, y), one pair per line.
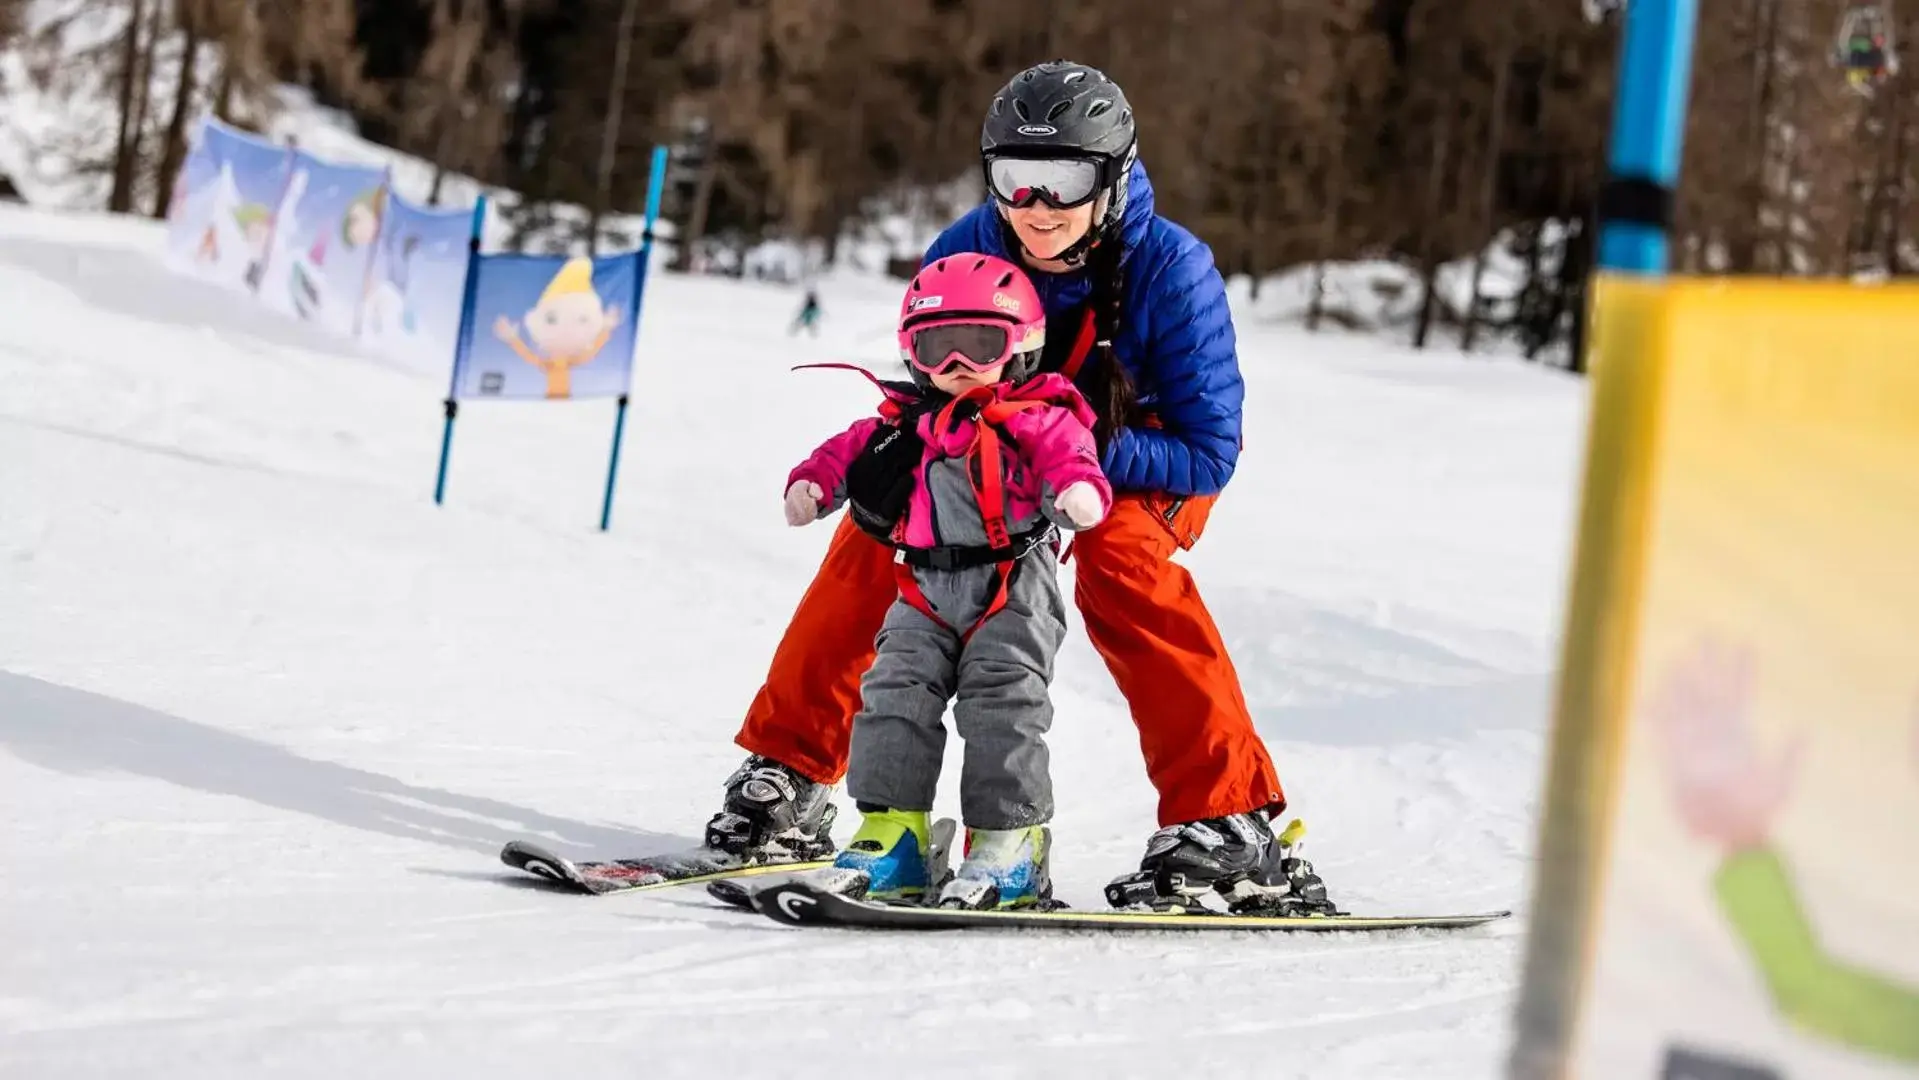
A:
(1062, 183)
(977, 345)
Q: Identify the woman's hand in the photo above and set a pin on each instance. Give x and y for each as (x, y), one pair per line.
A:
(1726, 789)
(803, 502)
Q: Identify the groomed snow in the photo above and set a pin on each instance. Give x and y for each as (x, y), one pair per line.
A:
(267, 713)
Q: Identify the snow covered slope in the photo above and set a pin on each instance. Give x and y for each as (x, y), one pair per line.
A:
(267, 713)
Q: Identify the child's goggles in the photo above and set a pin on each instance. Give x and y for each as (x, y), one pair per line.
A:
(981, 346)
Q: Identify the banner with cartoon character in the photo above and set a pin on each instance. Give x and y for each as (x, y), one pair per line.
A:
(412, 306)
(549, 327)
(221, 219)
(324, 234)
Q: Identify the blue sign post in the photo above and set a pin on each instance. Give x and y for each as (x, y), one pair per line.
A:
(466, 320)
(656, 182)
(1648, 136)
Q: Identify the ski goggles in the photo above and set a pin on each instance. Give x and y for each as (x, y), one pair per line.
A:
(979, 346)
(1062, 182)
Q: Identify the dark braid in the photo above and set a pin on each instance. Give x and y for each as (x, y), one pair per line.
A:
(1111, 391)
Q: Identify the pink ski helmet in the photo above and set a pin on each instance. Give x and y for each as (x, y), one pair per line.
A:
(975, 310)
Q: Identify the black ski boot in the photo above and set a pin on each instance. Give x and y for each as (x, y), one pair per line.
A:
(1237, 857)
(773, 814)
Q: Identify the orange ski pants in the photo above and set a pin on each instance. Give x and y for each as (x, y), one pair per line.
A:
(1142, 612)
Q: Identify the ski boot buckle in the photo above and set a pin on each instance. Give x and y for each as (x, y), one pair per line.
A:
(1154, 889)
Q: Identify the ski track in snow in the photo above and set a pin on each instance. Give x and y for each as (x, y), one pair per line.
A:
(267, 713)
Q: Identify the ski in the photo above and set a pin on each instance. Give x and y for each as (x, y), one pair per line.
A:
(799, 903)
(690, 867)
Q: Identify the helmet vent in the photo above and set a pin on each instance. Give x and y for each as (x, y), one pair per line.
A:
(1004, 280)
(978, 264)
(1100, 107)
(1019, 106)
(999, 106)
(940, 266)
(1059, 109)
(1126, 117)
(1074, 76)
(916, 285)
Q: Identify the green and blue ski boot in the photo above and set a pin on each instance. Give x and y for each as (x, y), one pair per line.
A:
(886, 859)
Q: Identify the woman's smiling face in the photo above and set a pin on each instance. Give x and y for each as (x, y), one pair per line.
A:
(1045, 232)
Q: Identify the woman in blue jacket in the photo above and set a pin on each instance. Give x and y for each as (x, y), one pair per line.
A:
(1137, 317)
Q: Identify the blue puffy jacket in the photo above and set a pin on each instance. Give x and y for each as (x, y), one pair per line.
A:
(1175, 340)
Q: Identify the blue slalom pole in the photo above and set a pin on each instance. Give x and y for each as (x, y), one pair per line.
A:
(459, 344)
(655, 184)
(1648, 136)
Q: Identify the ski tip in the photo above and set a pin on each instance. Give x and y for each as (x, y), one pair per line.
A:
(731, 893)
(517, 853)
(794, 903)
(541, 863)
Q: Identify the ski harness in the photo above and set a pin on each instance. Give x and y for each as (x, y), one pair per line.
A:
(984, 468)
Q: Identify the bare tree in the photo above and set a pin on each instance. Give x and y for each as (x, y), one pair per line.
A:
(120, 199)
(610, 131)
(1502, 61)
(191, 15)
(13, 19)
(156, 30)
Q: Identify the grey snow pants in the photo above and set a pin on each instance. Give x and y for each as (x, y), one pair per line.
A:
(997, 680)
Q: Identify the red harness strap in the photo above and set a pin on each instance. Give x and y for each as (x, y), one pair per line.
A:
(1082, 348)
(986, 472)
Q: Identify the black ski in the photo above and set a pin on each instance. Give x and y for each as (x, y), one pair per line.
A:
(799, 903)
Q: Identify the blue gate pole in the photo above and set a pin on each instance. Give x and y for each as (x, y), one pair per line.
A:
(1648, 136)
(459, 343)
(655, 184)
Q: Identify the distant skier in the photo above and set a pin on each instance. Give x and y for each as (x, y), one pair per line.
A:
(1865, 48)
(997, 456)
(809, 316)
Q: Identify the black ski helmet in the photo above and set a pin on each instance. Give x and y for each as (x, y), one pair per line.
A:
(1064, 109)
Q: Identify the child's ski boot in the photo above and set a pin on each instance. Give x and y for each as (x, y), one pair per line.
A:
(1003, 868)
(886, 860)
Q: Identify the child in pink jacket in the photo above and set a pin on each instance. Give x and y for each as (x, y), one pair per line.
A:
(1004, 456)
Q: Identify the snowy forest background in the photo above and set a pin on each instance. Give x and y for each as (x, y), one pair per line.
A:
(1290, 134)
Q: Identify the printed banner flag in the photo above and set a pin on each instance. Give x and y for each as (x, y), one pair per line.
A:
(1728, 890)
(328, 223)
(412, 307)
(221, 219)
(549, 327)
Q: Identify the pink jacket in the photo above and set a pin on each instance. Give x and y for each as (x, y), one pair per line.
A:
(1046, 449)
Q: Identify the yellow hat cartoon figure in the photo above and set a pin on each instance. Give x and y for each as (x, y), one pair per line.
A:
(568, 326)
